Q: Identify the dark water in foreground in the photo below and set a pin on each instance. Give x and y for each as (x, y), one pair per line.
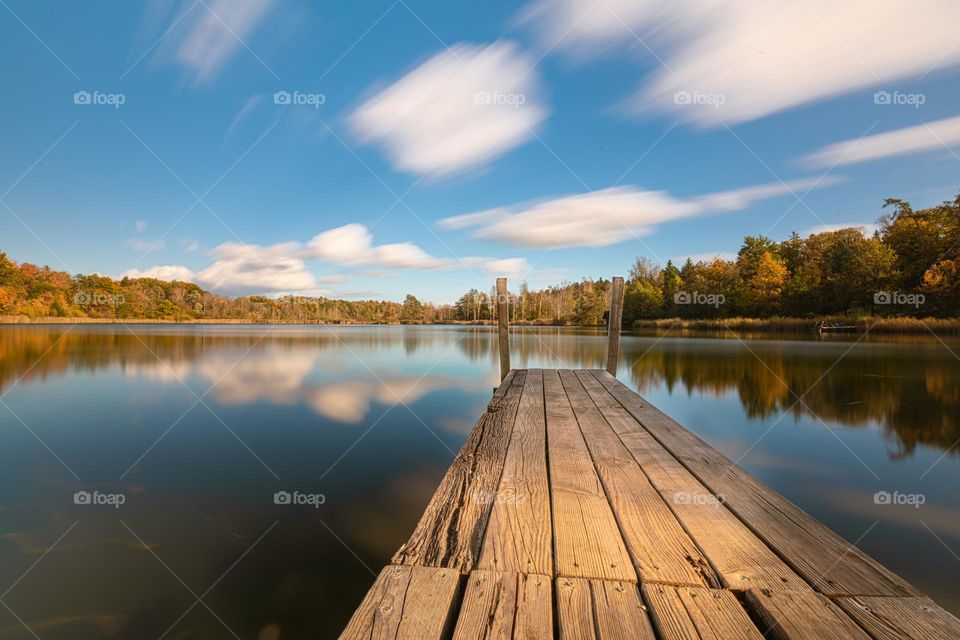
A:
(194, 430)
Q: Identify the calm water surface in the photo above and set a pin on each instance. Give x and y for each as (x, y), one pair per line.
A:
(197, 428)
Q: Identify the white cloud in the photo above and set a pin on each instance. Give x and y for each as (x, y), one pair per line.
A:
(144, 244)
(140, 225)
(460, 109)
(248, 106)
(211, 35)
(866, 228)
(167, 272)
(760, 56)
(922, 137)
(352, 244)
(281, 268)
(191, 247)
(247, 267)
(606, 217)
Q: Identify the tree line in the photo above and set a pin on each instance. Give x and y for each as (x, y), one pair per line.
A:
(909, 267)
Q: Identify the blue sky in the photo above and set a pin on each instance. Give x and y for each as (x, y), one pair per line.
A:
(437, 145)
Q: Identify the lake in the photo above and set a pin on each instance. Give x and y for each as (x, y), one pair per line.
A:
(248, 481)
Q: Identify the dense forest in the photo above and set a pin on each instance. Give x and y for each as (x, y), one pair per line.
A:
(909, 267)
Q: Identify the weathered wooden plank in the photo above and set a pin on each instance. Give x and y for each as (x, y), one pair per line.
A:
(451, 529)
(834, 566)
(519, 534)
(587, 540)
(789, 615)
(503, 326)
(601, 610)
(738, 555)
(901, 618)
(661, 550)
(613, 324)
(693, 613)
(409, 603)
(506, 606)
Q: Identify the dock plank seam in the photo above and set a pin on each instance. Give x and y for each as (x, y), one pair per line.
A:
(866, 568)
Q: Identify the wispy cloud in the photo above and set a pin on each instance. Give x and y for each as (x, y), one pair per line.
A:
(460, 109)
(922, 137)
(209, 35)
(282, 268)
(606, 217)
(727, 61)
(145, 244)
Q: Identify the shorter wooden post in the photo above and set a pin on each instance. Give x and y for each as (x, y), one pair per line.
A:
(503, 320)
(613, 324)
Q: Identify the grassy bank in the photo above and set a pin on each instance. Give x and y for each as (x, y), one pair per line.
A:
(906, 326)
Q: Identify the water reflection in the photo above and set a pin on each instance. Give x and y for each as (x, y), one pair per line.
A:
(909, 387)
(370, 416)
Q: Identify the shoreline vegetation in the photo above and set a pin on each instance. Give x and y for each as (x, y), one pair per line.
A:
(904, 278)
(872, 325)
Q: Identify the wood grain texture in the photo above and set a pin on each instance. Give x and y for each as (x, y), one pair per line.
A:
(901, 618)
(406, 603)
(503, 326)
(519, 534)
(587, 540)
(613, 324)
(788, 615)
(661, 550)
(571, 486)
(692, 613)
(506, 606)
(601, 610)
(742, 560)
(451, 529)
(834, 566)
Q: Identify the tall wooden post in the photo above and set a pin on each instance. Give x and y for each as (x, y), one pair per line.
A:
(613, 324)
(503, 320)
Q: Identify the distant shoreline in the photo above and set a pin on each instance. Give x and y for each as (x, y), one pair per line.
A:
(904, 326)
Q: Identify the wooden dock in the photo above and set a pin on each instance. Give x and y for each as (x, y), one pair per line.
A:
(577, 510)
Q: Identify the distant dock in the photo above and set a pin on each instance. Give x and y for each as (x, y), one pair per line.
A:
(576, 509)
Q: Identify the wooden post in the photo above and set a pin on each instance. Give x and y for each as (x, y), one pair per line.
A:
(613, 324)
(503, 320)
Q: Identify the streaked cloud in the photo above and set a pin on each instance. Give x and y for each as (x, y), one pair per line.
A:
(459, 109)
(240, 268)
(352, 244)
(251, 268)
(145, 244)
(610, 216)
(728, 61)
(168, 272)
(209, 35)
(899, 142)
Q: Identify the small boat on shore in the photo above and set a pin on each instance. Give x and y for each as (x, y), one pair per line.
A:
(836, 327)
